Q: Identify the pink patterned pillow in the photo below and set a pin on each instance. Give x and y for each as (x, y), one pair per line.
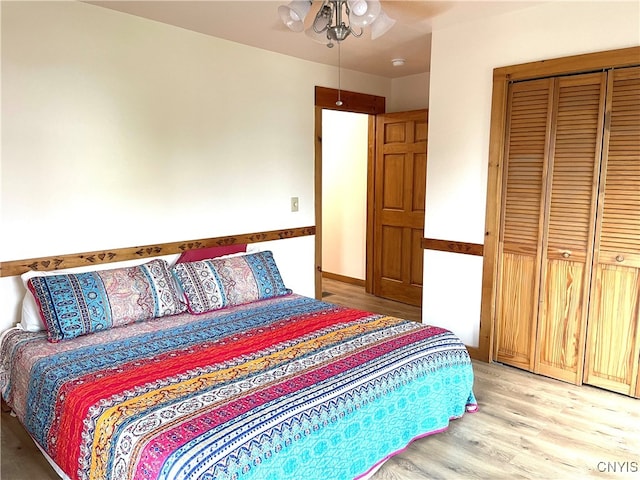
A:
(211, 252)
(80, 303)
(223, 282)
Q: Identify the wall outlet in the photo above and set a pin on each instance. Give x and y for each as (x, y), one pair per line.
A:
(294, 204)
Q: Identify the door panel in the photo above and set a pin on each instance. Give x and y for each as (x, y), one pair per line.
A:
(551, 184)
(518, 277)
(393, 183)
(560, 349)
(526, 153)
(574, 161)
(399, 191)
(391, 265)
(613, 346)
(613, 337)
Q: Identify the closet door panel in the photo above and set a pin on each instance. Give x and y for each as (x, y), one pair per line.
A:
(574, 161)
(519, 272)
(613, 339)
(613, 346)
(559, 353)
(520, 239)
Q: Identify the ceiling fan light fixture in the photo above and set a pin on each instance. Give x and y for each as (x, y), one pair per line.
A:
(358, 7)
(293, 14)
(363, 12)
(319, 37)
(381, 25)
(338, 33)
(337, 19)
(323, 19)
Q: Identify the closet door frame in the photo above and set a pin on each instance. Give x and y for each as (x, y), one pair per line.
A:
(501, 77)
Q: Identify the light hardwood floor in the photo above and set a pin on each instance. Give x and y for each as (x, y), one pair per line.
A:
(354, 296)
(527, 426)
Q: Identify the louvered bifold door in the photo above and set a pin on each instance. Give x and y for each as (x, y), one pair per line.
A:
(528, 121)
(613, 341)
(572, 188)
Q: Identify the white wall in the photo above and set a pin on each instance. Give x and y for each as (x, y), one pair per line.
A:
(462, 63)
(344, 192)
(120, 131)
(409, 93)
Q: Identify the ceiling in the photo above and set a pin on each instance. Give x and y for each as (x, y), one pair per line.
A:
(256, 23)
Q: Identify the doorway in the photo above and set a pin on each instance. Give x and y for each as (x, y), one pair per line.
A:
(344, 196)
(374, 107)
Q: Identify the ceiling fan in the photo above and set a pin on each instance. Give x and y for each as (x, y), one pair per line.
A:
(335, 20)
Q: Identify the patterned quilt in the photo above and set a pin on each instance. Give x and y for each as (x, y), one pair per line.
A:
(287, 388)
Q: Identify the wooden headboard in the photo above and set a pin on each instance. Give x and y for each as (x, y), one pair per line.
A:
(18, 267)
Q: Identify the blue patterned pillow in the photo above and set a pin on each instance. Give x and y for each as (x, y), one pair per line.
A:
(80, 303)
(223, 282)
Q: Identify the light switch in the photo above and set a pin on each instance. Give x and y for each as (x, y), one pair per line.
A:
(294, 204)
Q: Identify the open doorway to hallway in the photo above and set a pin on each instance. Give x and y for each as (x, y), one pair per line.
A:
(344, 216)
(344, 195)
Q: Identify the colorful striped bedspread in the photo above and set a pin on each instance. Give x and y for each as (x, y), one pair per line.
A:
(287, 388)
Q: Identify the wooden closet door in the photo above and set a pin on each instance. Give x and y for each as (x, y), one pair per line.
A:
(526, 155)
(572, 188)
(613, 340)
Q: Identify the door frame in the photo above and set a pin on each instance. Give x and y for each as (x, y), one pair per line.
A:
(501, 78)
(325, 98)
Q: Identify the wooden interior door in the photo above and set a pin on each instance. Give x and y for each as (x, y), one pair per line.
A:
(526, 162)
(572, 189)
(400, 171)
(613, 337)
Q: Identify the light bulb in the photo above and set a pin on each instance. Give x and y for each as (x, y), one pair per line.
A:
(359, 7)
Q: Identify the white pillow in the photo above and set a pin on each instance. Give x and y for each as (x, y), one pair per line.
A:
(31, 321)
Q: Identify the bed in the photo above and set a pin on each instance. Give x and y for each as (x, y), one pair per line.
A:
(234, 377)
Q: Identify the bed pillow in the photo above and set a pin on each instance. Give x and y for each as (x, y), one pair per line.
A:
(211, 252)
(81, 303)
(223, 282)
(31, 320)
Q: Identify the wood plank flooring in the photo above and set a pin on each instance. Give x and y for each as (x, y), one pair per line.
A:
(527, 427)
(354, 296)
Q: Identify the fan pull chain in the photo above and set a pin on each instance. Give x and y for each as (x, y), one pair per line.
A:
(339, 102)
